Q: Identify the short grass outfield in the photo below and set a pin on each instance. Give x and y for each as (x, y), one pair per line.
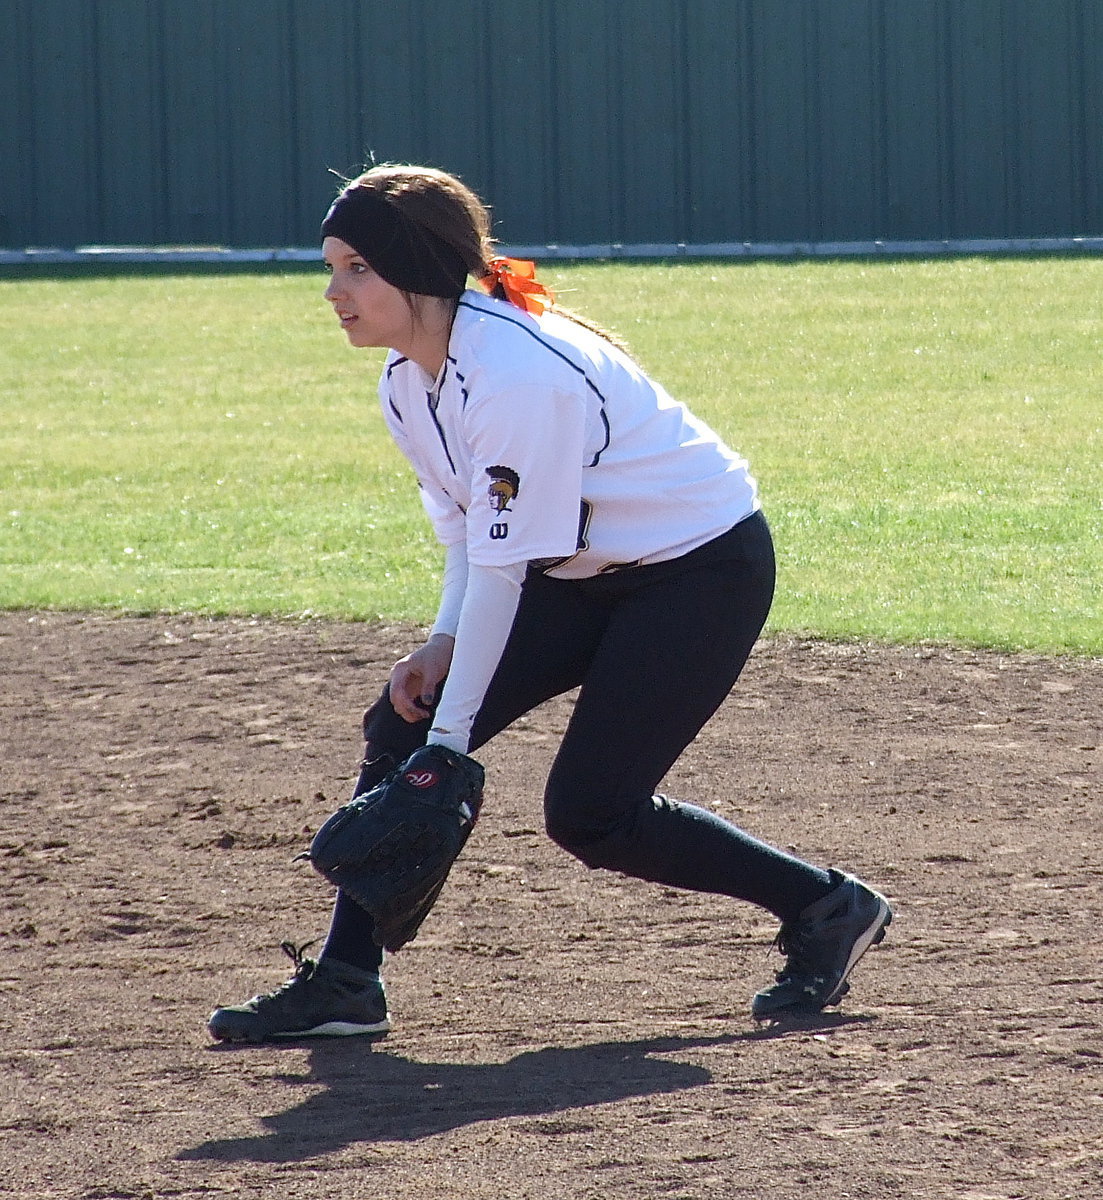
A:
(926, 435)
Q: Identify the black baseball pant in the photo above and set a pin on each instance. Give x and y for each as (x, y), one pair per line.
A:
(654, 650)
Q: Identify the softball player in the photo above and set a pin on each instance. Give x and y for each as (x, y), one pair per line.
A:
(597, 535)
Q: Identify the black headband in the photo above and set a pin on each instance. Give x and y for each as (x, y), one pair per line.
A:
(407, 255)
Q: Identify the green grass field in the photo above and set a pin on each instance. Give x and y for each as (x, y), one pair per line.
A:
(926, 435)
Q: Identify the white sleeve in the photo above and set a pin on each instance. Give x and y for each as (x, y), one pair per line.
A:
(527, 447)
(452, 589)
(444, 515)
(486, 618)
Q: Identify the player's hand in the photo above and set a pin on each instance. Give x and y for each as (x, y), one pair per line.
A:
(416, 678)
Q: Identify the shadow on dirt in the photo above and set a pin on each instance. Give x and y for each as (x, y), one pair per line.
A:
(372, 1096)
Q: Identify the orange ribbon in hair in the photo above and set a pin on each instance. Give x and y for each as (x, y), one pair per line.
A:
(517, 279)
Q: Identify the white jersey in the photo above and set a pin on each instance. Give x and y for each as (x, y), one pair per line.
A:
(540, 441)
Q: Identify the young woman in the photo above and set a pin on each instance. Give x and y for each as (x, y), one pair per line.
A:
(597, 535)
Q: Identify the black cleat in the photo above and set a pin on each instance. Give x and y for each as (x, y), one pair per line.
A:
(822, 946)
(324, 998)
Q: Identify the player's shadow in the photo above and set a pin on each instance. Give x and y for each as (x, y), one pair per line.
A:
(370, 1095)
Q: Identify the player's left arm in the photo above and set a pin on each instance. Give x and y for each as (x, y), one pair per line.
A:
(526, 452)
(486, 618)
(527, 448)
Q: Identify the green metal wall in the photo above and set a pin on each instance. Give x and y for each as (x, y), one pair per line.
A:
(584, 121)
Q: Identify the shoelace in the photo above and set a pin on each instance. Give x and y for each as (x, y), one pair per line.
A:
(793, 942)
(304, 967)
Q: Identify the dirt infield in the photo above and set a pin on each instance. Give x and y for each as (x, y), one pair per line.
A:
(559, 1033)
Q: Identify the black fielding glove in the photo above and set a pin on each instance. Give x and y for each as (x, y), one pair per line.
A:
(391, 849)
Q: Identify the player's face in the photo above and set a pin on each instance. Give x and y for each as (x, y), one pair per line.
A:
(372, 312)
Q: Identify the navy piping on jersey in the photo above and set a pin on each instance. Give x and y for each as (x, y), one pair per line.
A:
(434, 402)
(462, 381)
(559, 354)
(390, 399)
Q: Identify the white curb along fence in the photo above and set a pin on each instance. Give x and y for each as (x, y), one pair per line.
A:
(613, 250)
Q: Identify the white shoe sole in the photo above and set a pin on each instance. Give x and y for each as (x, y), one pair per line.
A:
(873, 934)
(337, 1029)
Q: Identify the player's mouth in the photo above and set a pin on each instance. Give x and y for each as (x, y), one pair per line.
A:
(346, 318)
